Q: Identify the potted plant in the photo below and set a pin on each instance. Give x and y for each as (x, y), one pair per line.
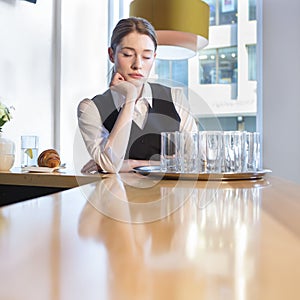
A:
(7, 147)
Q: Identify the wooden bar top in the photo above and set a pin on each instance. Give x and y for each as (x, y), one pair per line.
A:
(63, 179)
(129, 236)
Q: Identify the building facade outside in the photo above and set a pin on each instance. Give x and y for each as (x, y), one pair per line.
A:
(223, 75)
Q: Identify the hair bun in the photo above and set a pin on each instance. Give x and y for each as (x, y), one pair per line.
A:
(49, 158)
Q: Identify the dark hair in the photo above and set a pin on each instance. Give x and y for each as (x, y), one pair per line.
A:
(132, 24)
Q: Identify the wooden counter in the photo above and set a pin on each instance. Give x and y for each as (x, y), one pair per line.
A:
(132, 237)
(19, 185)
(63, 179)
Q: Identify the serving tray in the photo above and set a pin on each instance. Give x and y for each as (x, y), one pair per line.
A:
(155, 171)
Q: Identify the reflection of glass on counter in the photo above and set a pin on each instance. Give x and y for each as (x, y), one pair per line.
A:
(140, 257)
(201, 230)
(223, 222)
(137, 200)
(227, 207)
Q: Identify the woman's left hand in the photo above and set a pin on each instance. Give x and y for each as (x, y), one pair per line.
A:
(128, 165)
(91, 167)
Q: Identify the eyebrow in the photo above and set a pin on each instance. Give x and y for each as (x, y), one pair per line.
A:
(129, 48)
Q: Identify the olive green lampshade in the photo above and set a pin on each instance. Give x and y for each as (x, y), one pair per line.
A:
(181, 25)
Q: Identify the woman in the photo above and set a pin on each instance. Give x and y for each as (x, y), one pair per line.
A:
(121, 128)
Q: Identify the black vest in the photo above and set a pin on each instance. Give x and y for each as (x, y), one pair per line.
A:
(144, 143)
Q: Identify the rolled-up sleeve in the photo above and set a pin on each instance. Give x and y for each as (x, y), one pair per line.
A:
(95, 137)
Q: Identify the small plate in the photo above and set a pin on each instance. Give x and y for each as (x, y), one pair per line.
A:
(40, 169)
(155, 171)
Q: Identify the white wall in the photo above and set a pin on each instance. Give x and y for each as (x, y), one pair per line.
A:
(52, 55)
(26, 51)
(280, 87)
(84, 62)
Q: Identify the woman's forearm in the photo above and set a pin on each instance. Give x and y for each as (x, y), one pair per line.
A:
(116, 145)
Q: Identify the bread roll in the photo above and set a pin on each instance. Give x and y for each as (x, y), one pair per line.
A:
(49, 158)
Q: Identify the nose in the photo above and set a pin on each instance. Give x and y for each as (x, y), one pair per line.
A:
(137, 63)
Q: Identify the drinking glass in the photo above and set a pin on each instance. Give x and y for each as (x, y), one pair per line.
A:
(252, 148)
(188, 155)
(170, 152)
(29, 150)
(213, 151)
(202, 151)
(233, 151)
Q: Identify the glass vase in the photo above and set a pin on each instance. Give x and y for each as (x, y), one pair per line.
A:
(7, 153)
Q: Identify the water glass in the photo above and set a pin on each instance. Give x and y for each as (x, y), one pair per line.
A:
(170, 152)
(29, 150)
(214, 146)
(252, 151)
(233, 151)
(202, 151)
(188, 155)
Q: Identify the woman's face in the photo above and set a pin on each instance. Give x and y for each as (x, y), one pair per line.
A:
(134, 57)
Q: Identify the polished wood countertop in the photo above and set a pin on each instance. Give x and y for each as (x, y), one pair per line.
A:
(64, 178)
(132, 237)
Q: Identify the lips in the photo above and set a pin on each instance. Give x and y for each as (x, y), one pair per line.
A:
(136, 75)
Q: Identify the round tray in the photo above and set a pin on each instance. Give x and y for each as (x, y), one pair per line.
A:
(155, 171)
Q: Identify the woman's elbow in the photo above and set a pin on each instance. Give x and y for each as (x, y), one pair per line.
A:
(110, 167)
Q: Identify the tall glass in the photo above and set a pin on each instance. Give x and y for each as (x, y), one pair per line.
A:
(252, 148)
(188, 155)
(29, 150)
(170, 152)
(233, 151)
(214, 144)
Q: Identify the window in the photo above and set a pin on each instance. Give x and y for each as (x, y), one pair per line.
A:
(228, 11)
(222, 12)
(218, 66)
(207, 66)
(251, 62)
(227, 65)
(175, 71)
(252, 10)
(212, 8)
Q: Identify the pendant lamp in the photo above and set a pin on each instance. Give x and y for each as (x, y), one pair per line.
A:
(181, 25)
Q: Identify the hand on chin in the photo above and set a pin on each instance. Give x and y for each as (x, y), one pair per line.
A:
(125, 88)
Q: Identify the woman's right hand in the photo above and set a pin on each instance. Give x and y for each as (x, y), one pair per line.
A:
(125, 88)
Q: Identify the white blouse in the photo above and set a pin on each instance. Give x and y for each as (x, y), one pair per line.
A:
(109, 154)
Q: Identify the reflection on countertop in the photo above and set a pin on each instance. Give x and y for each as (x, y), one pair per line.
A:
(204, 229)
(138, 199)
(201, 240)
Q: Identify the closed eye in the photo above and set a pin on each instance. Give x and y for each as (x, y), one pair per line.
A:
(127, 55)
